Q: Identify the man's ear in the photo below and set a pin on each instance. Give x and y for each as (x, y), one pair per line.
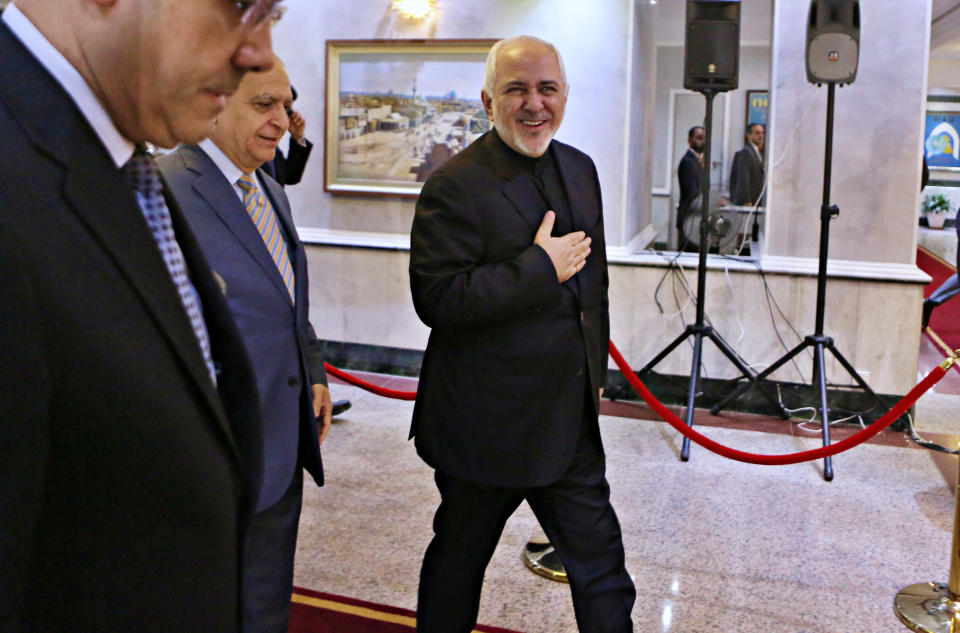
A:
(487, 104)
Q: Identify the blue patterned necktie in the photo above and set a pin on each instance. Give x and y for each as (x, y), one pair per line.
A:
(144, 177)
(265, 218)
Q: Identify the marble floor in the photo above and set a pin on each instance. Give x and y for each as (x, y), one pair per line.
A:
(714, 545)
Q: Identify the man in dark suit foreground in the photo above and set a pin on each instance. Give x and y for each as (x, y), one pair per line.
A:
(242, 219)
(747, 172)
(125, 477)
(688, 173)
(508, 268)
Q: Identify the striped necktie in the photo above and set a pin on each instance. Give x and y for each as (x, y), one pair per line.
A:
(265, 219)
(144, 177)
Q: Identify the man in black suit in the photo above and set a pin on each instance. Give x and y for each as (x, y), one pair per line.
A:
(747, 172)
(129, 458)
(508, 268)
(688, 173)
(242, 219)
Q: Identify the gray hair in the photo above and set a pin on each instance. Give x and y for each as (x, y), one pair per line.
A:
(490, 77)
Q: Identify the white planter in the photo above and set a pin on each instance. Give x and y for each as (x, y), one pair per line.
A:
(936, 220)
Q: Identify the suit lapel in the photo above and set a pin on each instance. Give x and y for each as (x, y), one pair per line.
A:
(583, 210)
(584, 207)
(519, 187)
(224, 201)
(281, 205)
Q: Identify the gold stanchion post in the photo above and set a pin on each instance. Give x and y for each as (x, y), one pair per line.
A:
(540, 557)
(934, 607)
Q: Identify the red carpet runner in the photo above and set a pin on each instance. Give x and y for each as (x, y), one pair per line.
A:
(945, 320)
(315, 612)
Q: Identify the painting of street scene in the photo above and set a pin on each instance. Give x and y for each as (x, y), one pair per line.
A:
(400, 116)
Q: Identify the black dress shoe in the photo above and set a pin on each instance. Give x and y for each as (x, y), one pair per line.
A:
(928, 307)
(339, 406)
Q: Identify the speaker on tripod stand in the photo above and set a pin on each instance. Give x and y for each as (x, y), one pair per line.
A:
(833, 50)
(711, 65)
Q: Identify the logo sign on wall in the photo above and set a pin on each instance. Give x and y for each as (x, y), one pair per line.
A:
(758, 103)
(942, 140)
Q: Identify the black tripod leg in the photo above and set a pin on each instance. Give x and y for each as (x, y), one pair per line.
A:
(853, 372)
(732, 355)
(762, 376)
(692, 396)
(666, 351)
(821, 374)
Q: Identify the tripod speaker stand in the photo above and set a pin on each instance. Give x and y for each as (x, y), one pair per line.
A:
(699, 329)
(818, 341)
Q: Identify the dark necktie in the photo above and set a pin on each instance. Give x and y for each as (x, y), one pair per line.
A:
(144, 177)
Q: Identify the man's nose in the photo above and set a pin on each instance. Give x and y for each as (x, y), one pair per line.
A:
(280, 118)
(255, 51)
(534, 102)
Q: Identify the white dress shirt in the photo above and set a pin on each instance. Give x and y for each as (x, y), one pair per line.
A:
(119, 148)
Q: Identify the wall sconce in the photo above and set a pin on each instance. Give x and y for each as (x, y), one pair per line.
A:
(414, 9)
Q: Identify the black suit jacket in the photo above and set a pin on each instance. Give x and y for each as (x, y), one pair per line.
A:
(511, 353)
(288, 170)
(746, 177)
(279, 339)
(122, 472)
(688, 173)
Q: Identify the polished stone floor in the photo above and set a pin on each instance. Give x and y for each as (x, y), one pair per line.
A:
(714, 545)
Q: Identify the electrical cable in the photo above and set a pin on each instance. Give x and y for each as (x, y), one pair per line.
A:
(927, 443)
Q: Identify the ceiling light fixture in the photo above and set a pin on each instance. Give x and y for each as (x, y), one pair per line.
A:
(414, 9)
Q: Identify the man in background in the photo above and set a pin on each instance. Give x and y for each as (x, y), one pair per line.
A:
(748, 171)
(688, 173)
(508, 269)
(242, 219)
(129, 459)
(288, 170)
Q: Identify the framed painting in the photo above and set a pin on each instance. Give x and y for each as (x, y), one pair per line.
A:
(398, 109)
(941, 134)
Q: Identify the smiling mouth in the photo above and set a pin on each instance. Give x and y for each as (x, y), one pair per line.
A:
(534, 124)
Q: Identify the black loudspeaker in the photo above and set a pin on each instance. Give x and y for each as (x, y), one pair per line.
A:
(711, 58)
(833, 41)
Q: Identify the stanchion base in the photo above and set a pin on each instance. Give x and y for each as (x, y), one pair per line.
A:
(928, 608)
(543, 560)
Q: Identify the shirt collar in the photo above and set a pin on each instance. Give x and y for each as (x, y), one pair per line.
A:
(226, 166)
(119, 148)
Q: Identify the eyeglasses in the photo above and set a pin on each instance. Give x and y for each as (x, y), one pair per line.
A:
(255, 12)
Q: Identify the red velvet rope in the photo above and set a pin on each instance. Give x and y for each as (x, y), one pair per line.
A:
(772, 460)
(668, 416)
(372, 388)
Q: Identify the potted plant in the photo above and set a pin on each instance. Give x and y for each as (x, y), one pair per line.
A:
(936, 206)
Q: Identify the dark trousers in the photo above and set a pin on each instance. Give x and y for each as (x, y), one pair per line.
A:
(267, 583)
(575, 513)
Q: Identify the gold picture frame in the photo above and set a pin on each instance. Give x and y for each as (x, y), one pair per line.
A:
(398, 109)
